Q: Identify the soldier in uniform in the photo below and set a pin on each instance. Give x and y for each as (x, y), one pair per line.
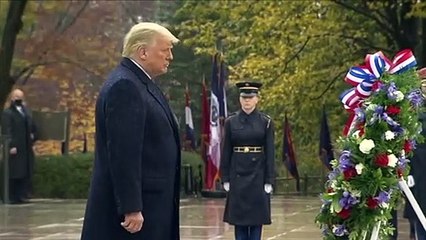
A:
(247, 165)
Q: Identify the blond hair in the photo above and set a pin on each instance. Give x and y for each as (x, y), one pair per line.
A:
(143, 34)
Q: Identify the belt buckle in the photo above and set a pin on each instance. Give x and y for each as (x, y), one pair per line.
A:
(246, 149)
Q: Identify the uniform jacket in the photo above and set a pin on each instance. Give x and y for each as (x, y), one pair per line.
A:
(247, 202)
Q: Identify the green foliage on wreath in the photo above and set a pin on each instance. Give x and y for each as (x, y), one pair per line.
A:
(362, 189)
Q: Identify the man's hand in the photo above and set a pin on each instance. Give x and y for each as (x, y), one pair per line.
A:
(13, 151)
(133, 222)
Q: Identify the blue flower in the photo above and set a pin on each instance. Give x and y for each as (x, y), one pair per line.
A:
(347, 200)
(403, 162)
(415, 97)
(333, 174)
(345, 160)
(339, 230)
(384, 197)
(360, 114)
(392, 91)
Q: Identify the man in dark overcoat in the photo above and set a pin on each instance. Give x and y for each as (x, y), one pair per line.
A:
(418, 166)
(17, 124)
(134, 192)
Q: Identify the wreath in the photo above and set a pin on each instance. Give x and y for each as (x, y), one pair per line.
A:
(374, 150)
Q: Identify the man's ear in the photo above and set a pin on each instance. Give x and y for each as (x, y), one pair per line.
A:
(142, 53)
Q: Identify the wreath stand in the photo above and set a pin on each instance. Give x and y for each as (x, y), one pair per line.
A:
(404, 187)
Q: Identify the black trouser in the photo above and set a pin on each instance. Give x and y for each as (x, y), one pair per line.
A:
(18, 188)
(394, 222)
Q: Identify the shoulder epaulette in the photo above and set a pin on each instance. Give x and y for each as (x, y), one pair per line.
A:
(267, 117)
(231, 115)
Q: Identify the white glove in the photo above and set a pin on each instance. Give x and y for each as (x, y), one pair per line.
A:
(410, 181)
(268, 188)
(226, 186)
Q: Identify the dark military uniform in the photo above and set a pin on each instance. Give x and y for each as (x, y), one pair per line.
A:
(248, 164)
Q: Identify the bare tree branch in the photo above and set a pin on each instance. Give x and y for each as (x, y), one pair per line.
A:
(365, 42)
(28, 75)
(80, 66)
(295, 55)
(72, 20)
(367, 13)
(339, 75)
(63, 16)
(30, 68)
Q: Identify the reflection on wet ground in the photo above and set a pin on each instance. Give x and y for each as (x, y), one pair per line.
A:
(201, 219)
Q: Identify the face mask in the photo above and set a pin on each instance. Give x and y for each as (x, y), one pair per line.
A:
(18, 102)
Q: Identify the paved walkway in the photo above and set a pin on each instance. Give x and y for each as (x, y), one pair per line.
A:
(201, 219)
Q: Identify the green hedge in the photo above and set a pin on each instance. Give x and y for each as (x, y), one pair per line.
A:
(62, 176)
(69, 176)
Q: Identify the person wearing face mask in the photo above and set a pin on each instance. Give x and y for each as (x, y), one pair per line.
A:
(247, 165)
(18, 125)
(135, 186)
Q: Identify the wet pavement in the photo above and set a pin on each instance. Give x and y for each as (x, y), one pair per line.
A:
(201, 219)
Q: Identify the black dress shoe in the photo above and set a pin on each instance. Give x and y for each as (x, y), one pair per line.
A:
(23, 201)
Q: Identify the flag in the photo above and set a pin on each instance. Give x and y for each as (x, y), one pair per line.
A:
(289, 157)
(216, 97)
(209, 172)
(189, 125)
(325, 148)
(223, 80)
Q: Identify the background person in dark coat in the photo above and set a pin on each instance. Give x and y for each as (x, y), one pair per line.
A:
(134, 191)
(18, 125)
(247, 166)
(418, 166)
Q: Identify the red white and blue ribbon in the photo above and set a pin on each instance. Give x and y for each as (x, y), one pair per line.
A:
(363, 79)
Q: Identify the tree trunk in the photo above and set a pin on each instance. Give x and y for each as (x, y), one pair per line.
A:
(12, 27)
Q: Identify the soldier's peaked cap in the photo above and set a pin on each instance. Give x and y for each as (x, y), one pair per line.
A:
(249, 89)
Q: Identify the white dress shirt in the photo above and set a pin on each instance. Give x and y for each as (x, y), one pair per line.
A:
(139, 66)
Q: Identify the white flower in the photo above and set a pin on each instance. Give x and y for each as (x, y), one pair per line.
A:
(366, 145)
(359, 168)
(333, 184)
(392, 160)
(389, 135)
(399, 96)
(384, 205)
(371, 107)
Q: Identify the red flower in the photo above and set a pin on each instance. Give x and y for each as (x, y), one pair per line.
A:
(381, 160)
(399, 172)
(393, 110)
(372, 203)
(344, 214)
(330, 190)
(407, 146)
(349, 173)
